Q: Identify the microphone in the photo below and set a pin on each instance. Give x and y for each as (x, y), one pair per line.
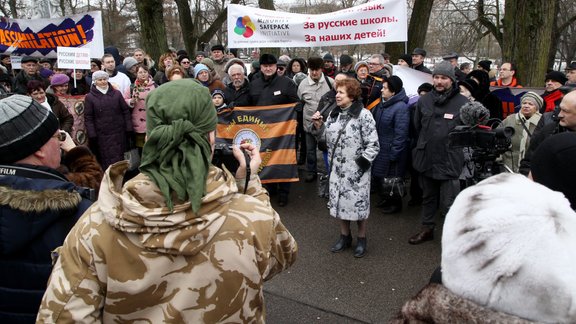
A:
(474, 113)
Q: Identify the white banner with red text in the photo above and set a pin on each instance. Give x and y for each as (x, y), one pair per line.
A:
(377, 21)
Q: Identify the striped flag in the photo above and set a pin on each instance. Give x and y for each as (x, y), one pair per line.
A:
(273, 129)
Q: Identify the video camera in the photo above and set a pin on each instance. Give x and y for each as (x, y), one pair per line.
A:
(223, 156)
(484, 140)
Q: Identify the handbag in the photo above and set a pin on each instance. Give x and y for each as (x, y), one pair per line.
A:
(394, 187)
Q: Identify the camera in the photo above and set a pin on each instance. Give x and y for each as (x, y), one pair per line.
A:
(223, 156)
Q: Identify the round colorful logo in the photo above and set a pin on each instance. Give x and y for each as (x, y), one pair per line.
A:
(246, 135)
(244, 27)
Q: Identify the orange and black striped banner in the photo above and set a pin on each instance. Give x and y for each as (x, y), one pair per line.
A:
(273, 129)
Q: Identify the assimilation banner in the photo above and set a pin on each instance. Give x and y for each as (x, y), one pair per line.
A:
(373, 22)
(273, 129)
(41, 37)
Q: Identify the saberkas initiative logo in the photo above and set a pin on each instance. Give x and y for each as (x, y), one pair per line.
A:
(244, 27)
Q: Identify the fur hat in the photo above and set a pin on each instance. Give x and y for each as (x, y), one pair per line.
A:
(507, 245)
(25, 126)
(419, 51)
(556, 76)
(328, 58)
(485, 64)
(444, 68)
(315, 63)
(395, 84)
(268, 59)
(217, 47)
(200, 67)
(553, 164)
(129, 62)
(59, 79)
(535, 98)
(346, 60)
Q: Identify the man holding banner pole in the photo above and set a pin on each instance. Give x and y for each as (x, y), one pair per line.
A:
(272, 89)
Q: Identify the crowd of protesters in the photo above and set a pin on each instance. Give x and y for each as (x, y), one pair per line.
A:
(357, 127)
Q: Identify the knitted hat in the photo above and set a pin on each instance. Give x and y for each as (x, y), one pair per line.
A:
(46, 73)
(388, 67)
(535, 98)
(419, 51)
(217, 47)
(268, 59)
(100, 75)
(556, 76)
(200, 67)
(179, 114)
(553, 164)
(444, 68)
(25, 126)
(315, 63)
(360, 64)
(485, 64)
(406, 58)
(346, 59)
(299, 77)
(218, 92)
(129, 62)
(59, 79)
(395, 84)
(507, 243)
(328, 58)
(208, 62)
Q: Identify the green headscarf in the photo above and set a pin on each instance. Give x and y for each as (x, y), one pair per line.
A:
(176, 155)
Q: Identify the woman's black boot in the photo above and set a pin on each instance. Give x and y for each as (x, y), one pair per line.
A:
(343, 243)
(360, 248)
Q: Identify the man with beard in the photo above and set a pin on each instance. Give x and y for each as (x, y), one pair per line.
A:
(237, 91)
(436, 115)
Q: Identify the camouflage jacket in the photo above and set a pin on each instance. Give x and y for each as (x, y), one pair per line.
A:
(129, 259)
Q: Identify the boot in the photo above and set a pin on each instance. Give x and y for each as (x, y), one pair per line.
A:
(426, 234)
(343, 243)
(360, 250)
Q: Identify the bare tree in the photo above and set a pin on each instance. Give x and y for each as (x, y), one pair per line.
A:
(416, 28)
(153, 33)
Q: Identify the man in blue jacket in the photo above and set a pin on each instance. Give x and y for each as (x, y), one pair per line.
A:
(38, 205)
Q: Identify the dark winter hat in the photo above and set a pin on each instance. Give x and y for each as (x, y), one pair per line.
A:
(181, 52)
(3, 56)
(282, 63)
(571, 66)
(469, 84)
(27, 59)
(256, 64)
(485, 64)
(419, 51)
(449, 56)
(315, 63)
(346, 60)
(59, 79)
(268, 59)
(129, 62)
(234, 51)
(25, 126)
(553, 164)
(444, 68)
(395, 84)
(46, 73)
(218, 92)
(427, 87)
(406, 58)
(217, 47)
(328, 58)
(201, 53)
(556, 76)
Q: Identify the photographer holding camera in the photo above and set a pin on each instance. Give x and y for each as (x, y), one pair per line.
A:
(179, 240)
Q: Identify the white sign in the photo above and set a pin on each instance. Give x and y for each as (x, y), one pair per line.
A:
(373, 22)
(16, 62)
(73, 58)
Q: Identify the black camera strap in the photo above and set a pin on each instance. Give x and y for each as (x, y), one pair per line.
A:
(248, 170)
(523, 122)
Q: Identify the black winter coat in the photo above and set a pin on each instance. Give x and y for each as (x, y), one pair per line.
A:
(276, 90)
(392, 124)
(238, 98)
(36, 214)
(435, 117)
(107, 118)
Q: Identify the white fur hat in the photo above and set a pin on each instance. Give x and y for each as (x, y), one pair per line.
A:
(509, 244)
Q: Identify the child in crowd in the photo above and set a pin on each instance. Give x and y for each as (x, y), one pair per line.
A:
(218, 99)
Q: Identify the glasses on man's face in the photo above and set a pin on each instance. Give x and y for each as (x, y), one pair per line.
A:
(61, 136)
(372, 63)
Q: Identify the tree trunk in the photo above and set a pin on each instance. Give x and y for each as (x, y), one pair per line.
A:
(187, 25)
(152, 28)
(416, 30)
(528, 31)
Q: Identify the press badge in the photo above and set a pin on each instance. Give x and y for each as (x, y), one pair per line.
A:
(448, 116)
(277, 93)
